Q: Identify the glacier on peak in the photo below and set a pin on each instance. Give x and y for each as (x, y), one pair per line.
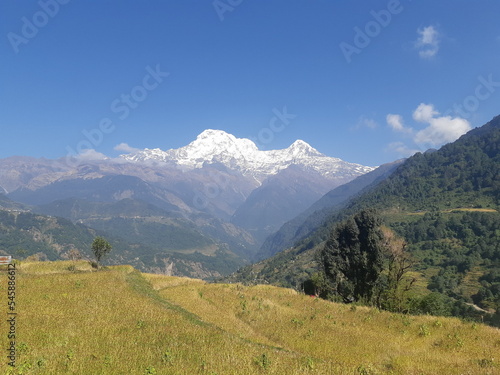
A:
(241, 154)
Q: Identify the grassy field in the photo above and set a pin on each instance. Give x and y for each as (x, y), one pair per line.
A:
(453, 210)
(72, 320)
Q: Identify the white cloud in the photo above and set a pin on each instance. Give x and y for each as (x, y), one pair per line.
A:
(424, 113)
(397, 124)
(439, 129)
(125, 148)
(442, 130)
(427, 42)
(90, 154)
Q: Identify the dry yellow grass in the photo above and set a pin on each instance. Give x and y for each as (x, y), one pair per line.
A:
(422, 213)
(472, 210)
(119, 321)
(353, 338)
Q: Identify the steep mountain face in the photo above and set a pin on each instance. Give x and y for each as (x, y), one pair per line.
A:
(268, 207)
(313, 217)
(231, 192)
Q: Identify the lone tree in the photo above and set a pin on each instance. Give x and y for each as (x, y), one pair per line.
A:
(100, 247)
(353, 257)
(398, 282)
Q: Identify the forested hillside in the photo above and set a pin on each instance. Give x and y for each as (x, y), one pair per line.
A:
(445, 206)
(24, 235)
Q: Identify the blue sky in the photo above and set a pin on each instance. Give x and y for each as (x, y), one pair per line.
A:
(366, 81)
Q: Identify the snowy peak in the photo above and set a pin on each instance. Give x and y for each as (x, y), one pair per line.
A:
(241, 154)
(216, 135)
(220, 142)
(301, 148)
(215, 142)
(212, 133)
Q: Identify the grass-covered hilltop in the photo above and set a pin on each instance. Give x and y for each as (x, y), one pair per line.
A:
(73, 319)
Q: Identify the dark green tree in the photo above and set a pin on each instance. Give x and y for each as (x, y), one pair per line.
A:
(353, 257)
(100, 247)
(317, 285)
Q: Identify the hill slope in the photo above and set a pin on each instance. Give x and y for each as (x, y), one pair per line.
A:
(6, 203)
(121, 321)
(428, 200)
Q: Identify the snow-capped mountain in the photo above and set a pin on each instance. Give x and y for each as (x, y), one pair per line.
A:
(241, 154)
(223, 186)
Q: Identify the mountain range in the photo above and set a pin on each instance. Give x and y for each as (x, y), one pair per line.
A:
(242, 155)
(220, 189)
